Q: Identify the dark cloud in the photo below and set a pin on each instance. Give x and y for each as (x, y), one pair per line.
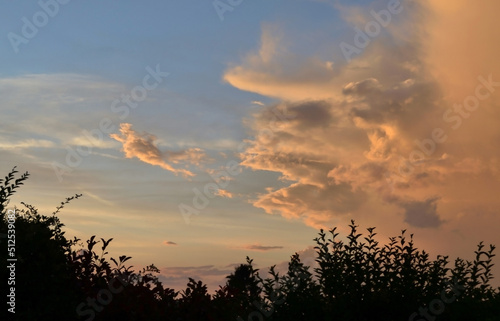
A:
(177, 277)
(422, 213)
(258, 247)
(194, 270)
(311, 113)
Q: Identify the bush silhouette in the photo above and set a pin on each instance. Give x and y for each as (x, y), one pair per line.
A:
(363, 281)
(41, 249)
(357, 279)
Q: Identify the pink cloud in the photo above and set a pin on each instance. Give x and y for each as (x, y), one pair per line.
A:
(142, 146)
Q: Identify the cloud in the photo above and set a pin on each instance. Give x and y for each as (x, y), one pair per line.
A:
(262, 248)
(35, 105)
(256, 102)
(459, 47)
(93, 143)
(142, 146)
(363, 136)
(422, 213)
(195, 270)
(169, 243)
(223, 193)
(176, 277)
(306, 256)
(97, 198)
(28, 143)
(274, 71)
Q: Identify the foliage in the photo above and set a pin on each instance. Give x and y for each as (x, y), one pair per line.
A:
(356, 278)
(363, 281)
(41, 273)
(7, 189)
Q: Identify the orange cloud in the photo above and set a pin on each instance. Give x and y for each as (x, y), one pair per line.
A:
(461, 44)
(275, 72)
(223, 193)
(169, 243)
(387, 131)
(144, 148)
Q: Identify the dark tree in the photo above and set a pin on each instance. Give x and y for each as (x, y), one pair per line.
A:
(356, 280)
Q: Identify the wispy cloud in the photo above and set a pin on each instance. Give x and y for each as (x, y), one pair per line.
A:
(97, 198)
(256, 102)
(28, 143)
(169, 243)
(259, 247)
(143, 146)
(223, 193)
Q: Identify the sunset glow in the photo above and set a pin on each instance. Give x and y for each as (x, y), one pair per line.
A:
(199, 135)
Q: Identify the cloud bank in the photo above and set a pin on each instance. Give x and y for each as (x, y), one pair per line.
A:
(398, 129)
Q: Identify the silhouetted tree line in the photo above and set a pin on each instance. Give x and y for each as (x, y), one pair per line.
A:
(57, 278)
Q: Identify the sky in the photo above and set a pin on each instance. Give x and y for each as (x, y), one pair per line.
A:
(203, 132)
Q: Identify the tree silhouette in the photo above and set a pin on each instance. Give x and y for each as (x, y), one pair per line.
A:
(42, 274)
(356, 279)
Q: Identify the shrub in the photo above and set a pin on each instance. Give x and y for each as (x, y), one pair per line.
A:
(356, 279)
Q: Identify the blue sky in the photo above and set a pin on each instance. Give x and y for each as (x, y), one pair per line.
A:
(323, 132)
